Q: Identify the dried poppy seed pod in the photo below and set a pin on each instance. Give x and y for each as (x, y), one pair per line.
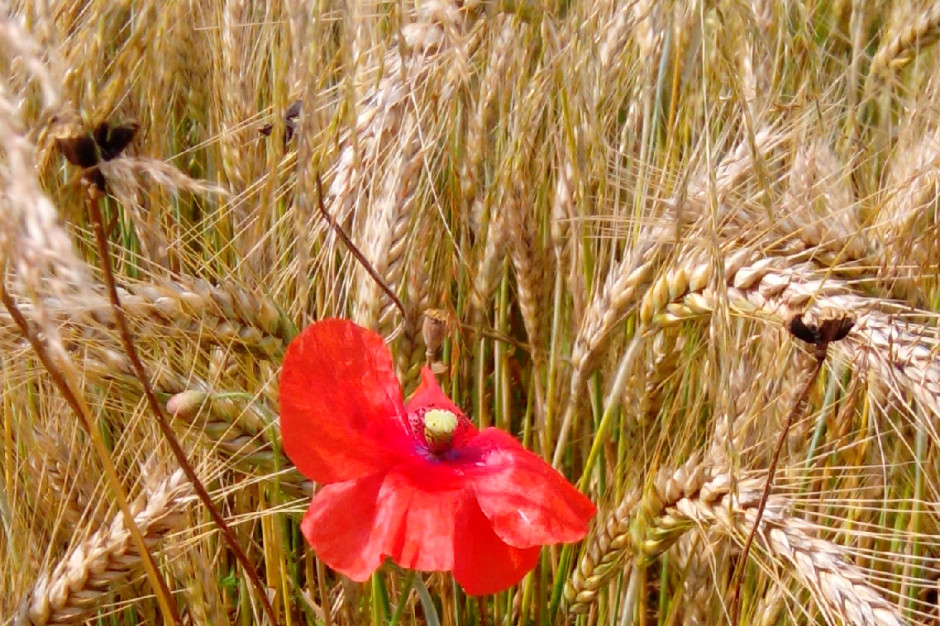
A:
(87, 150)
(834, 324)
(434, 330)
(73, 140)
(822, 327)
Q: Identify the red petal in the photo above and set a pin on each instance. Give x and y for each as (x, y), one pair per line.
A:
(429, 394)
(339, 526)
(341, 405)
(483, 563)
(527, 502)
(419, 522)
(354, 525)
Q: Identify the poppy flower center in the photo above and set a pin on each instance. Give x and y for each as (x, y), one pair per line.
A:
(439, 427)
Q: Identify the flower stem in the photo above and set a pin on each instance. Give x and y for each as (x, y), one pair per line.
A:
(406, 587)
(813, 373)
(427, 603)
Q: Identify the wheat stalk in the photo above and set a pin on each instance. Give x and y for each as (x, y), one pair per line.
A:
(628, 281)
(636, 530)
(64, 492)
(224, 314)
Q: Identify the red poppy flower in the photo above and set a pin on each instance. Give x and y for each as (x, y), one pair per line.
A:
(412, 481)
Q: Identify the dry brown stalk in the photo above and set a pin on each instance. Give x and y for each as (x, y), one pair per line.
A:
(83, 579)
(832, 329)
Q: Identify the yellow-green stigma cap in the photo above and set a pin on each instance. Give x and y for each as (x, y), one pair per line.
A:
(439, 428)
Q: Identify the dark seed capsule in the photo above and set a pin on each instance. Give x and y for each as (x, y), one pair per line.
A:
(836, 328)
(801, 331)
(88, 149)
(291, 116)
(93, 177)
(79, 150)
(113, 140)
(73, 140)
(830, 325)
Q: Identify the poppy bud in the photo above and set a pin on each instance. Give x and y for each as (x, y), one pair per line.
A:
(439, 427)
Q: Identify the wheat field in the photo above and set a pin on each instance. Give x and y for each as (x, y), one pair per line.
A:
(618, 207)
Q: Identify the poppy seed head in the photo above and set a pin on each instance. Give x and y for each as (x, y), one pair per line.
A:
(434, 329)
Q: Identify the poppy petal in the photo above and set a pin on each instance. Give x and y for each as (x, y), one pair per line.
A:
(354, 525)
(342, 414)
(527, 502)
(415, 525)
(483, 563)
(338, 526)
(430, 394)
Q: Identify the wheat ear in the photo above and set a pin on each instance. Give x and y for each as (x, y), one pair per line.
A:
(642, 528)
(79, 583)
